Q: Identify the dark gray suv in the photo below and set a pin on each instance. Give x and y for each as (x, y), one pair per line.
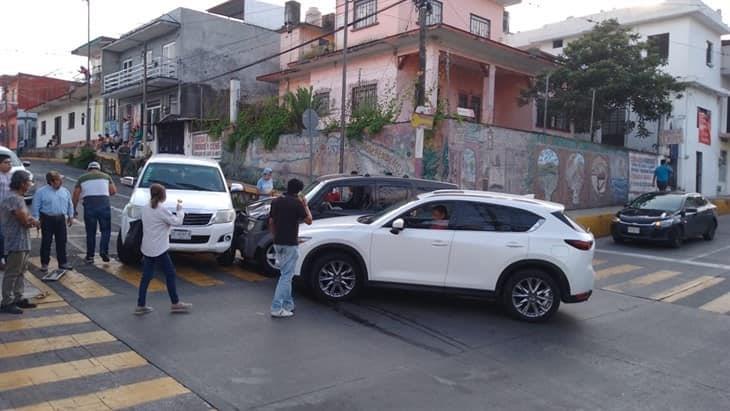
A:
(328, 196)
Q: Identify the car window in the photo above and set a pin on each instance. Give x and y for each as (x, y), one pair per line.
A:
(474, 216)
(701, 201)
(389, 194)
(430, 216)
(658, 201)
(343, 196)
(695, 202)
(183, 177)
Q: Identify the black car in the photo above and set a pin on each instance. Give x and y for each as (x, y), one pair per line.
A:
(328, 196)
(669, 217)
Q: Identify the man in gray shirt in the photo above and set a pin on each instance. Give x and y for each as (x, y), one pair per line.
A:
(16, 224)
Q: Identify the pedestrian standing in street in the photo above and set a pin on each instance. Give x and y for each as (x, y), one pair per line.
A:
(6, 165)
(95, 188)
(265, 185)
(16, 225)
(662, 174)
(287, 212)
(156, 224)
(52, 206)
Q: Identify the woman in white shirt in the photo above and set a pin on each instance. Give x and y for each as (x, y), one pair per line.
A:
(156, 224)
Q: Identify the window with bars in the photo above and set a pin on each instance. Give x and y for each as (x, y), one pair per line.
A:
(480, 26)
(708, 53)
(71, 121)
(365, 13)
(364, 97)
(322, 103)
(505, 22)
(555, 121)
(437, 13)
(111, 109)
(43, 128)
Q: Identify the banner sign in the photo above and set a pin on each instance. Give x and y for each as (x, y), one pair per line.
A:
(704, 124)
(669, 137)
(641, 173)
(204, 146)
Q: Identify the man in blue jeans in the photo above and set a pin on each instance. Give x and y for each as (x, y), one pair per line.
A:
(95, 187)
(287, 212)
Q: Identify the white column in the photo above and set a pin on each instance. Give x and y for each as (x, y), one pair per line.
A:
(432, 77)
(488, 95)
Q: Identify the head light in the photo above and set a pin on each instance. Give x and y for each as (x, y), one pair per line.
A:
(615, 219)
(663, 223)
(224, 216)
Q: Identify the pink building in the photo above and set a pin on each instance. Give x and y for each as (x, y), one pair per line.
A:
(467, 64)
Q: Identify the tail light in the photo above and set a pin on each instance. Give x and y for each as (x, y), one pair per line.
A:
(580, 244)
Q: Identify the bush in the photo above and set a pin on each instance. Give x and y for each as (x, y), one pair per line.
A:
(85, 156)
(267, 121)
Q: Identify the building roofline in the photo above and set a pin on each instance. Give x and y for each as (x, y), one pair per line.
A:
(99, 42)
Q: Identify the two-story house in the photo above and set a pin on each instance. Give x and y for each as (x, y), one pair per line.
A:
(468, 65)
(689, 35)
(18, 93)
(186, 51)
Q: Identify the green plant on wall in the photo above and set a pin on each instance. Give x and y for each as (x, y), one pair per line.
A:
(372, 117)
(266, 120)
(299, 101)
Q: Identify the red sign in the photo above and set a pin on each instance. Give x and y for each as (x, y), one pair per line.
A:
(704, 123)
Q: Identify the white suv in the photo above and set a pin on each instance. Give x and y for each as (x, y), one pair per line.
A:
(209, 213)
(524, 252)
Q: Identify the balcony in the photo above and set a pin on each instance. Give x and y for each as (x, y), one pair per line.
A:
(128, 82)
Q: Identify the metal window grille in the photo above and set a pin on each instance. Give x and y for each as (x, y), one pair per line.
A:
(365, 13)
(660, 44)
(364, 96)
(480, 26)
(322, 103)
(71, 120)
(437, 13)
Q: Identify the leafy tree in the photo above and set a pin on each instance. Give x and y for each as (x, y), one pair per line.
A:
(299, 101)
(623, 70)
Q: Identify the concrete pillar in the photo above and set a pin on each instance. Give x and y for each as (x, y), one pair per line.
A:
(432, 77)
(488, 95)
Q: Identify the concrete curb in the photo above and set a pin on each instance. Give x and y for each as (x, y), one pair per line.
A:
(600, 224)
(48, 160)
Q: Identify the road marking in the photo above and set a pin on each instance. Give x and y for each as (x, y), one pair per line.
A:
(643, 280)
(666, 259)
(125, 396)
(49, 295)
(243, 274)
(616, 270)
(196, 277)
(69, 370)
(685, 290)
(59, 304)
(129, 274)
(19, 348)
(118, 210)
(718, 305)
(40, 322)
(598, 262)
(80, 284)
(697, 257)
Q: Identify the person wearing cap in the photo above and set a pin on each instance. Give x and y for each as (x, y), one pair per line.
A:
(52, 206)
(95, 188)
(265, 185)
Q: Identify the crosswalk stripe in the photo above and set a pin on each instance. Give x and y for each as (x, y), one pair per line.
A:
(596, 262)
(69, 370)
(80, 284)
(125, 396)
(40, 322)
(643, 280)
(718, 305)
(196, 277)
(39, 345)
(616, 270)
(130, 275)
(685, 290)
(50, 296)
(59, 304)
(243, 274)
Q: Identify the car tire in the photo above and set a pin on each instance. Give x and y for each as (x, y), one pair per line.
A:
(617, 239)
(676, 238)
(125, 255)
(524, 291)
(227, 258)
(709, 235)
(267, 261)
(335, 276)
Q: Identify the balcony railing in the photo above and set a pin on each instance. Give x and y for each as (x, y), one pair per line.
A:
(132, 76)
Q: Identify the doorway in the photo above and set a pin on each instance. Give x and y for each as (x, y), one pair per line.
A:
(171, 138)
(57, 129)
(698, 173)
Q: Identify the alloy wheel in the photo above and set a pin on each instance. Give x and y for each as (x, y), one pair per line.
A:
(336, 279)
(271, 257)
(532, 297)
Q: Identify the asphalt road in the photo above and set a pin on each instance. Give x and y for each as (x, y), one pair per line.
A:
(653, 336)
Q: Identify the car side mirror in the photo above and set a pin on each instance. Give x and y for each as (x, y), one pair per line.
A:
(236, 188)
(690, 211)
(397, 226)
(26, 163)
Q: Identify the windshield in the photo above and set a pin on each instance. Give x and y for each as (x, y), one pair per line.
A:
(370, 218)
(654, 201)
(183, 177)
(14, 160)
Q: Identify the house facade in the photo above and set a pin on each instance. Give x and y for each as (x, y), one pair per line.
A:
(185, 52)
(689, 34)
(19, 93)
(469, 68)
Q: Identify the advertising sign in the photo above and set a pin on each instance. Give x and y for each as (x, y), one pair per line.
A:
(641, 173)
(204, 146)
(704, 122)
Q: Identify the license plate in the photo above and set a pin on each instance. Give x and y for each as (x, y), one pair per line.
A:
(634, 230)
(181, 235)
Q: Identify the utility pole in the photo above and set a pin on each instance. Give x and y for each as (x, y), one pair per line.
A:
(143, 109)
(343, 109)
(545, 113)
(88, 72)
(424, 9)
(593, 106)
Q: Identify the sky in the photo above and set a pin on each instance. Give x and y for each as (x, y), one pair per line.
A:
(38, 35)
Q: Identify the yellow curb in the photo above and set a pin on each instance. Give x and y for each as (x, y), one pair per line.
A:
(723, 205)
(598, 224)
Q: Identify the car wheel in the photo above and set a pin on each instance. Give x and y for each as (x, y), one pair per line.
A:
(617, 239)
(531, 295)
(675, 238)
(227, 258)
(267, 261)
(127, 256)
(709, 235)
(335, 277)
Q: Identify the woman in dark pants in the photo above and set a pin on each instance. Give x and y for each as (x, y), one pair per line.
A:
(156, 224)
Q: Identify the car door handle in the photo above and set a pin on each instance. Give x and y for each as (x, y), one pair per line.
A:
(440, 243)
(515, 245)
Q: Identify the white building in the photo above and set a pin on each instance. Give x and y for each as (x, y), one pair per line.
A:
(65, 118)
(690, 35)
